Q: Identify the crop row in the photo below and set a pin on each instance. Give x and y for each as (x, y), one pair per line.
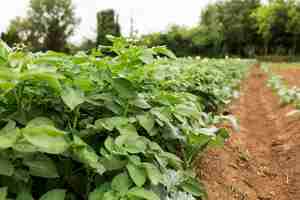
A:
(124, 125)
(288, 95)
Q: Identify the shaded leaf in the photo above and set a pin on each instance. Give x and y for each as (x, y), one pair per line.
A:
(193, 187)
(124, 87)
(6, 167)
(56, 194)
(24, 195)
(87, 155)
(42, 166)
(143, 194)
(99, 192)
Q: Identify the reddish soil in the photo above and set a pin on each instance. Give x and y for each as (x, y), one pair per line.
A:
(262, 161)
(291, 76)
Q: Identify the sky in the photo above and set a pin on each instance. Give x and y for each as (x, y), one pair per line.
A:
(149, 15)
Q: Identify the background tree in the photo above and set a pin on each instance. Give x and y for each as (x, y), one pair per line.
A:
(272, 22)
(48, 25)
(231, 22)
(293, 25)
(107, 24)
(263, 21)
(52, 23)
(16, 32)
(212, 30)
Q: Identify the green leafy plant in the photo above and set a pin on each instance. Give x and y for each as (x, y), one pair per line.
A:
(109, 127)
(288, 95)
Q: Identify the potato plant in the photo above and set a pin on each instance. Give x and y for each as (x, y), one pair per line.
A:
(123, 126)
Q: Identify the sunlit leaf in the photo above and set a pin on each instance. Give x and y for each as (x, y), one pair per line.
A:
(72, 97)
(137, 174)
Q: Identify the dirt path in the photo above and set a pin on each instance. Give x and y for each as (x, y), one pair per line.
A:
(262, 162)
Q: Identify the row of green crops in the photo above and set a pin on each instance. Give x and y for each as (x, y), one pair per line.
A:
(288, 95)
(119, 127)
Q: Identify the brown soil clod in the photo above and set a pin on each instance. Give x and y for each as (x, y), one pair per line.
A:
(262, 162)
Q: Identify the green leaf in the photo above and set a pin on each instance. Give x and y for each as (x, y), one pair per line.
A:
(113, 148)
(131, 143)
(6, 167)
(109, 144)
(22, 175)
(111, 195)
(161, 114)
(25, 147)
(72, 98)
(9, 135)
(147, 121)
(219, 140)
(40, 121)
(163, 50)
(173, 160)
(47, 138)
(3, 193)
(4, 50)
(199, 140)
(56, 194)
(112, 163)
(143, 194)
(147, 56)
(121, 183)
(24, 195)
(7, 74)
(141, 102)
(193, 187)
(153, 173)
(99, 192)
(121, 123)
(137, 174)
(41, 166)
(7, 86)
(124, 88)
(127, 129)
(85, 154)
(187, 110)
(43, 75)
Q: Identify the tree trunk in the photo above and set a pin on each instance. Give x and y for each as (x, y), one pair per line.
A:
(266, 48)
(295, 45)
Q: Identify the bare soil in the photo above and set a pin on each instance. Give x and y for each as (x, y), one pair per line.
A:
(262, 161)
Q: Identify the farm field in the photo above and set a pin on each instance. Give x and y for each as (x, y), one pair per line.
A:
(262, 161)
(150, 100)
(143, 124)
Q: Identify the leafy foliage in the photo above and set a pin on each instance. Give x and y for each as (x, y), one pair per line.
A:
(101, 127)
(107, 24)
(287, 95)
(47, 26)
